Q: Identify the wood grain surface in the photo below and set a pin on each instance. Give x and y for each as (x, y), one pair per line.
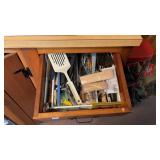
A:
(18, 87)
(72, 41)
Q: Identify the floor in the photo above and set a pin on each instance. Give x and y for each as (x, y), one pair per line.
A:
(142, 114)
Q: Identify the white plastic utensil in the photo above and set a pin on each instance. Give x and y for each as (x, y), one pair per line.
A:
(60, 63)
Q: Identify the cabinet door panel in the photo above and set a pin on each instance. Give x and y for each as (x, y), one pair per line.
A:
(30, 59)
(14, 112)
(19, 88)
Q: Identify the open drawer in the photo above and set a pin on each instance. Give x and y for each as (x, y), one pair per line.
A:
(123, 107)
(31, 50)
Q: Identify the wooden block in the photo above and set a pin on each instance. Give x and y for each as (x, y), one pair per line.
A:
(94, 86)
(95, 77)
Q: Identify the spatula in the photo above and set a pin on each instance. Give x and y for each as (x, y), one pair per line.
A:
(60, 63)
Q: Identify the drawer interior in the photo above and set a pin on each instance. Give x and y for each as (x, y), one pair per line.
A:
(90, 106)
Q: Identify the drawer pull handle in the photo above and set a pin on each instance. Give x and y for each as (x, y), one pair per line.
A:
(90, 120)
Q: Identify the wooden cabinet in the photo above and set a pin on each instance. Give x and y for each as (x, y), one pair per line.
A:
(28, 51)
(18, 88)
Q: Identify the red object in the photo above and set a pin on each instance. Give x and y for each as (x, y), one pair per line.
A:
(149, 71)
(143, 52)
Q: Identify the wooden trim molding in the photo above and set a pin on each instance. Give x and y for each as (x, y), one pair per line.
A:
(72, 41)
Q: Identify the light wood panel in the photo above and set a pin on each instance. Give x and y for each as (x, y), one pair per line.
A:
(71, 37)
(71, 41)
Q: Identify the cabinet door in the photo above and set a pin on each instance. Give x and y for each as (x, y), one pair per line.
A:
(19, 88)
(30, 59)
(14, 112)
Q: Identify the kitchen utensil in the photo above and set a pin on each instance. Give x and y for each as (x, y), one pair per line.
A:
(60, 63)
